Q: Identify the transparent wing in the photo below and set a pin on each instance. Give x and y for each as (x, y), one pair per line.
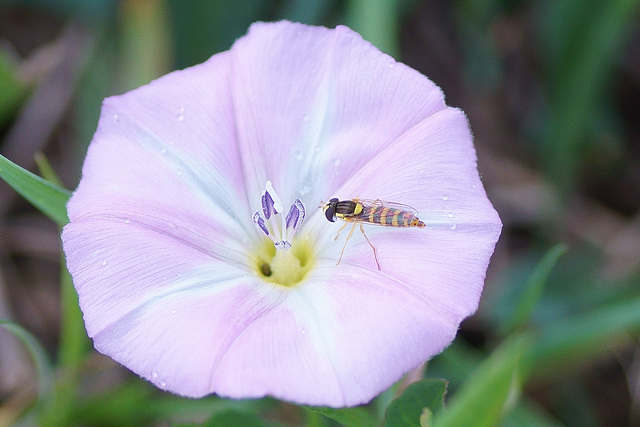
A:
(387, 204)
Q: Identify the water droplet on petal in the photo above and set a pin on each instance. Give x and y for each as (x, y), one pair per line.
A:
(445, 197)
(335, 161)
(179, 171)
(181, 114)
(154, 374)
(103, 262)
(473, 186)
(453, 226)
(163, 384)
(126, 220)
(421, 170)
(303, 331)
(163, 150)
(304, 190)
(173, 312)
(450, 214)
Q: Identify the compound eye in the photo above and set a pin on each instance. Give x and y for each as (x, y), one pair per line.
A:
(330, 211)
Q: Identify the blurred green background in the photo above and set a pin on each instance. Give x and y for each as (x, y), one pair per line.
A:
(552, 92)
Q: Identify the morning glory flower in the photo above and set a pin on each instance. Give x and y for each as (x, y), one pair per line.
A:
(200, 255)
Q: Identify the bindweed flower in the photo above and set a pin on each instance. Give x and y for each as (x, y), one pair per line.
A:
(199, 254)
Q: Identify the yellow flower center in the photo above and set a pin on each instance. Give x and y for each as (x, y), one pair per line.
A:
(285, 267)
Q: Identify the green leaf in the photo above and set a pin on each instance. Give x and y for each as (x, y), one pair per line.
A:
(146, 50)
(533, 290)
(37, 353)
(236, 418)
(351, 417)
(377, 22)
(426, 396)
(570, 342)
(12, 89)
(528, 413)
(483, 398)
(50, 199)
(73, 342)
(589, 34)
(46, 170)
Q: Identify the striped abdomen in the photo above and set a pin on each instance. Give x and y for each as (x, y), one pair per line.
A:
(389, 217)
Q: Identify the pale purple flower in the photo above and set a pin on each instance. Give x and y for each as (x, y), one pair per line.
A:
(192, 182)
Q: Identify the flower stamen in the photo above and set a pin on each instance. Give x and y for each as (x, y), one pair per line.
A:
(289, 225)
(282, 266)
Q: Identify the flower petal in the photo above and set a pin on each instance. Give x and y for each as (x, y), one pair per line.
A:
(181, 129)
(159, 243)
(321, 102)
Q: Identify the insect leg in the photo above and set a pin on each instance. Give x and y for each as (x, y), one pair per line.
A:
(338, 233)
(375, 255)
(346, 241)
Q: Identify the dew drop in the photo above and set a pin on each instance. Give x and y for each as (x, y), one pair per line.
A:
(445, 197)
(421, 171)
(335, 161)
(303, 331)
(163, 384)
(179, 171)
(450, 214)
(116, 118)
(453, 226)
(154, 374)
(126, 220)
(104, 262)
(473, 186)
(173, 312)
(181, 114)
(163, 150)
(304, 190)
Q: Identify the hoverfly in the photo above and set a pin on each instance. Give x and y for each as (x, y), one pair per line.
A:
(376, 212)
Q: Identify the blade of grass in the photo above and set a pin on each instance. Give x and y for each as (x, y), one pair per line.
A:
(533, 290)
(484, 396)
(377, 22)
(571, 342)
(50, 199)
(420, 399)
(350, 417)
(37, 353)
(73, 343)
(592, 33)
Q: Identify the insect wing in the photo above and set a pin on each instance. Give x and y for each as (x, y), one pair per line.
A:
(386, 204)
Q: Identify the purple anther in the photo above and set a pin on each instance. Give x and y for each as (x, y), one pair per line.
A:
(259, 222)
(267, 205)
(295, 215)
